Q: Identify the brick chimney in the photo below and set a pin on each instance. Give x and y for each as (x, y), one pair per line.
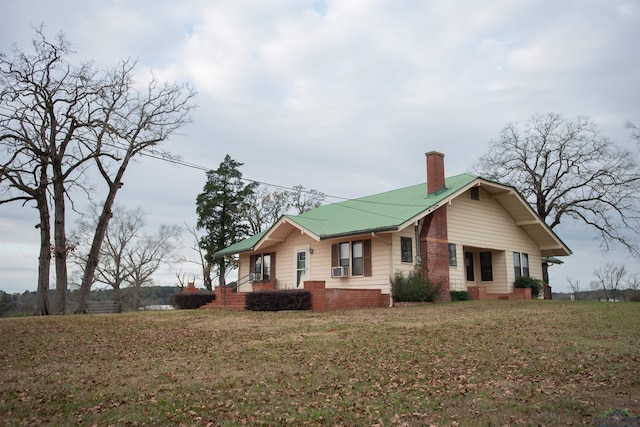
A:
(434, 242)
(435, 172)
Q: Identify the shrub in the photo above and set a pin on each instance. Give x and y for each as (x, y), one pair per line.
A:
(413, 289)
(635, 296)
(292, 299)
(191, 301)
(529, 282)
(460, 296)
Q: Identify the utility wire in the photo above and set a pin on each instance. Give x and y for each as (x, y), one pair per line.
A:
(178, 161)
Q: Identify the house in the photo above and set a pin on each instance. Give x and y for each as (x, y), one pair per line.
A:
(464, 233)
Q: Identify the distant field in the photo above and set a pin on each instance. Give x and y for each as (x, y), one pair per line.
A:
(472, 363)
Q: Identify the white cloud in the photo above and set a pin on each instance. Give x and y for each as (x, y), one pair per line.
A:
(346, 97)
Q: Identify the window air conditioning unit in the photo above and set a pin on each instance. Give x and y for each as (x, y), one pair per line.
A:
(340, 271)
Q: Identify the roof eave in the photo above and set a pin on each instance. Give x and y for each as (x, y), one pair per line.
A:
(359, 232)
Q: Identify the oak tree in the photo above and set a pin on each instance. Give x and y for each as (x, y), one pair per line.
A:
(568, 171)
(59, 119)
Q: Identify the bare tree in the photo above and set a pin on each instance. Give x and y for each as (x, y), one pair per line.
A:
(128, 255)
(16, 173)
(265, 207)
(609, 280)
(57, 120)
(567, 170)
(148, 253)
(303, 200)
(113, 268)
(42, 95)
(633, 282)
(205, 266)
(635, 130)
(134, 122)
(181, 278)
(575, 287)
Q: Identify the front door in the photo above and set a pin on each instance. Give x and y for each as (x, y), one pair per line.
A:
(301, 267)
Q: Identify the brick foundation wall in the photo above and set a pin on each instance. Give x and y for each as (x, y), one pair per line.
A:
(521, 293)
(477, 293)
(323, 299)
(264, 286)
(344, 299)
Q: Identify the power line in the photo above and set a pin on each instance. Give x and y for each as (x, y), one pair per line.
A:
(178, 161)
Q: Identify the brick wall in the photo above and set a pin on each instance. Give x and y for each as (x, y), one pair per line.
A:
(317, 289)
(323, 299)
(343, 299)
(435, 172)
(434, 251)
(479, 293)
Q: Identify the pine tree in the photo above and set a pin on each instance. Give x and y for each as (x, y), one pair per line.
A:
(220, 209)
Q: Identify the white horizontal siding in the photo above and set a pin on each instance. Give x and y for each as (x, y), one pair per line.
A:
(484, 224)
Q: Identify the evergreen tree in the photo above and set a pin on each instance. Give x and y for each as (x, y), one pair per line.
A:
(220, 209)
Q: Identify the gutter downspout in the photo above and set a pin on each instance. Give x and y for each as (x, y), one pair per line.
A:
(417, 226)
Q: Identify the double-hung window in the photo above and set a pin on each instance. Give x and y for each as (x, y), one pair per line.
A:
(261, 267)
(453, 256)
(468, 264)
(521, 264)
(357, 259)
(406, 249)
(354, 256)
(486, 267)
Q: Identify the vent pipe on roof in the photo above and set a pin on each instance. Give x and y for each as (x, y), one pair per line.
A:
(435, 172)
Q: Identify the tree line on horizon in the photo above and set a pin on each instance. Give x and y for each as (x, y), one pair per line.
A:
(60, 120)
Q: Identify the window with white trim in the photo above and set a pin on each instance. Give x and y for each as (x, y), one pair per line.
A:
(357, 259)
(262, 266)
(406, 249)
(521, 264)
(453, 256)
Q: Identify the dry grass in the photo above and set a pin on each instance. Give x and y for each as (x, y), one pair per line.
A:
(472, 363)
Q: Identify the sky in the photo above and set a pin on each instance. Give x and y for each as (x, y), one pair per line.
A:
(344, 97)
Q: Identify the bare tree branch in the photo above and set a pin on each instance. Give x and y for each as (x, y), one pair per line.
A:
(568, 171)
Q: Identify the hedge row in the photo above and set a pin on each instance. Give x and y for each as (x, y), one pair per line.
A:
(191, 301)
(292, 299)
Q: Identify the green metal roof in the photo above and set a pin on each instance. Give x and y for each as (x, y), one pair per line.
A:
(384, 211)
(379, 212)
(242, 246)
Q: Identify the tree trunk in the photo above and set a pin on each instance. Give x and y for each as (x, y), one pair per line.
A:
(136, 296)
(101, 230)
(44, 260)
(221, 276)
(94, 253)
(60, 247)
(118, 297)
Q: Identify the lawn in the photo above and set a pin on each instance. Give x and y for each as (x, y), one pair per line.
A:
(470, 363)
